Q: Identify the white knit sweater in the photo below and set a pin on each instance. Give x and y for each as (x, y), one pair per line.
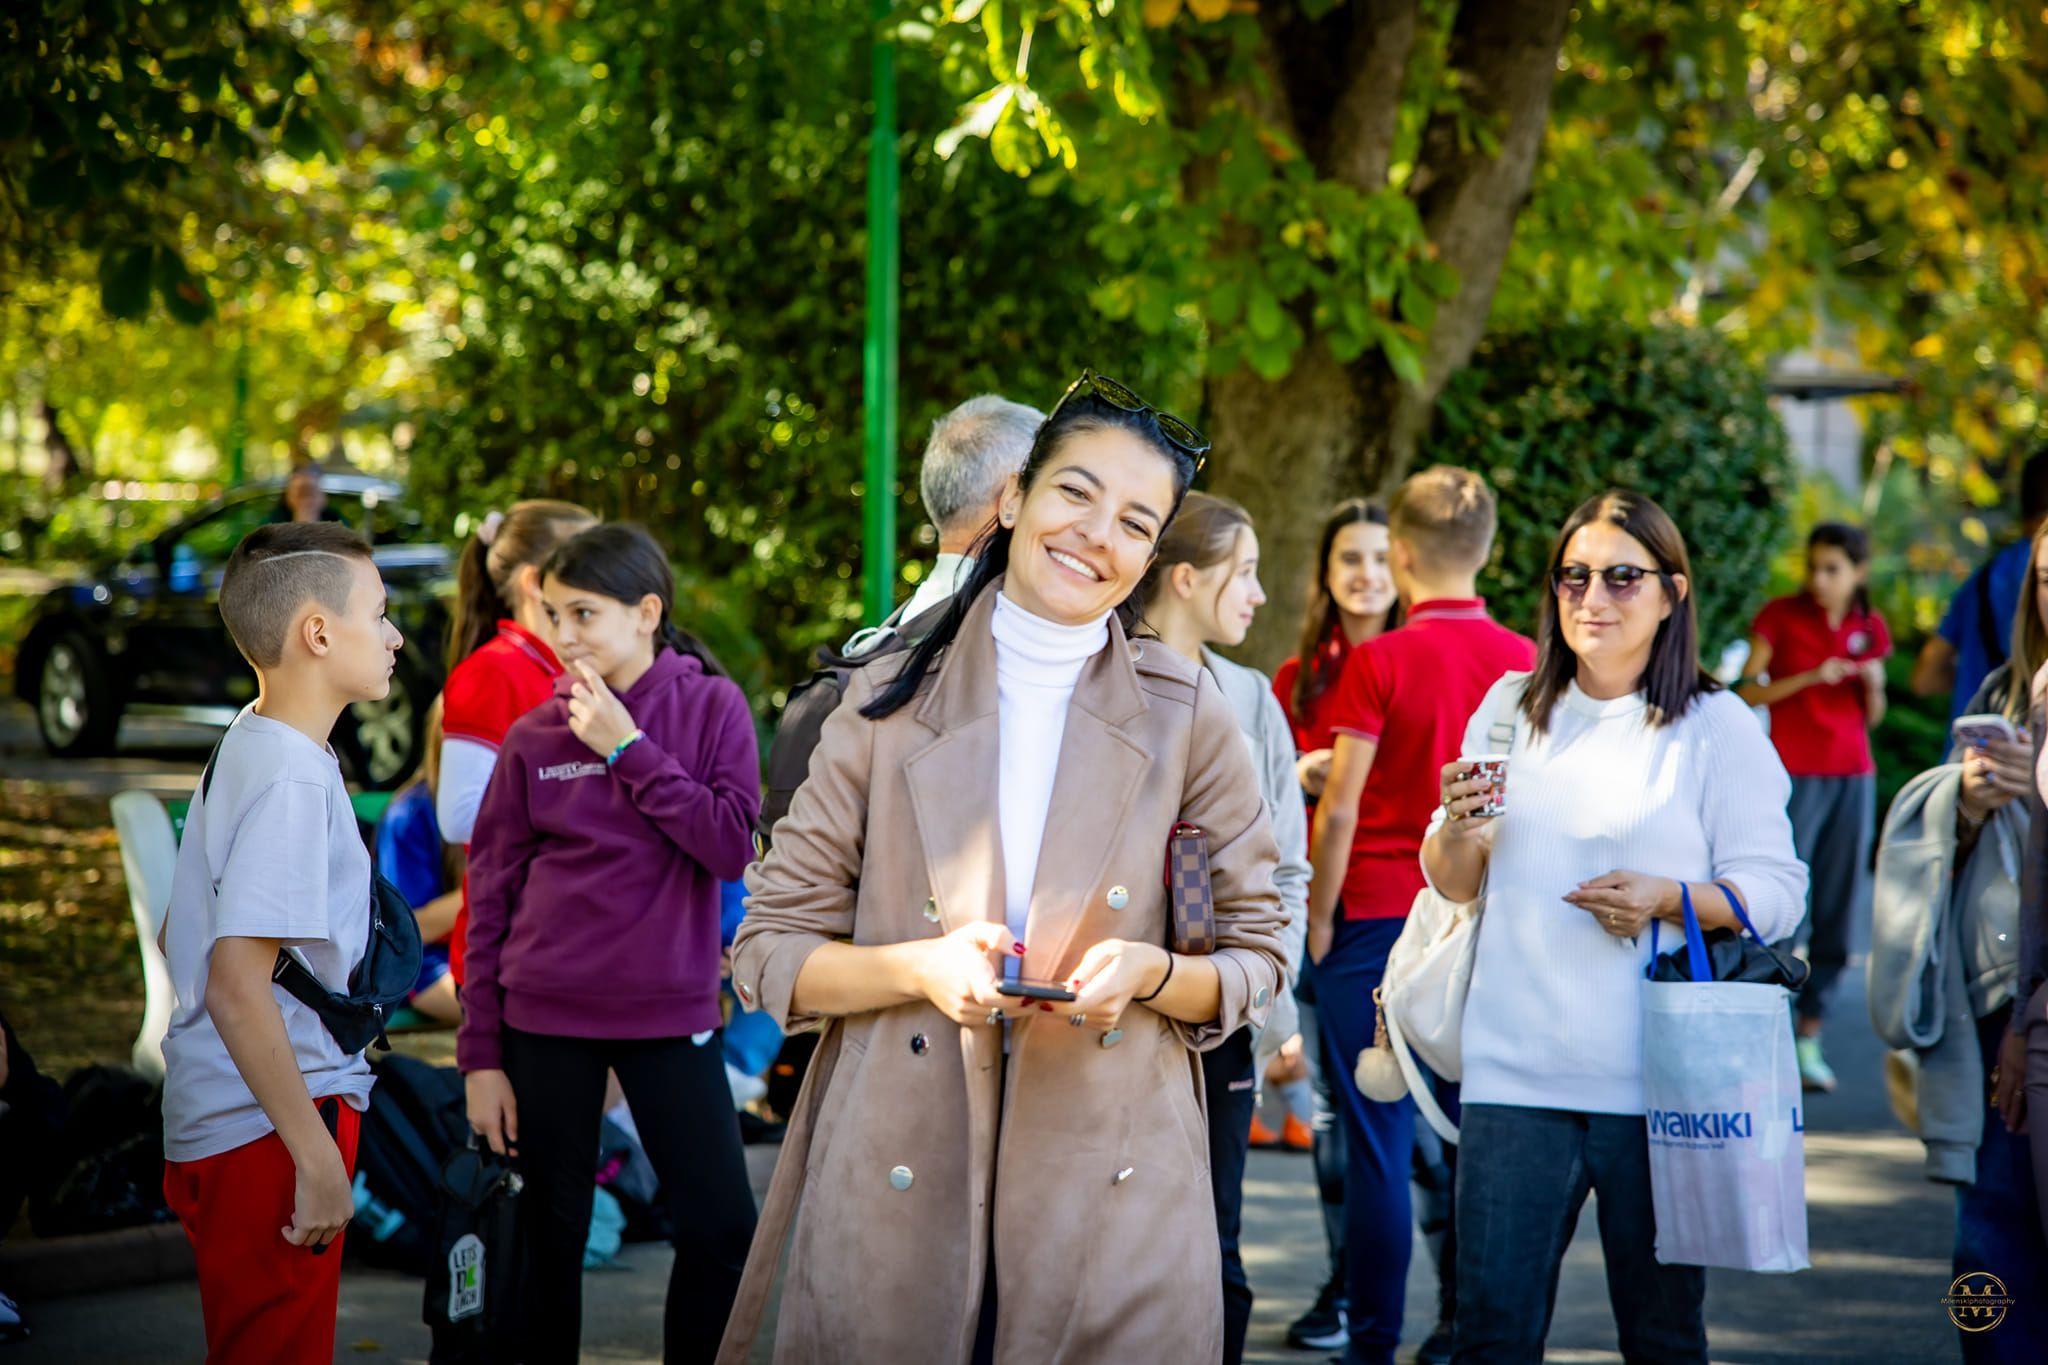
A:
(1554, 1018)
(1037, 664)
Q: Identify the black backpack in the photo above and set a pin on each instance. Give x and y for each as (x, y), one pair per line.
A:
(810, 703)
(417, 1119)
(110, 1166)
(472, 1296)
(380, 983)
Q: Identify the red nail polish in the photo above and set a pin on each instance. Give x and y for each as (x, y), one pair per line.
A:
(1017, 948)
(1046, 1008)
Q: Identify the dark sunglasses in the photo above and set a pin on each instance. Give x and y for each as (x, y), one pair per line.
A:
(1623, 580)
(1178, 434)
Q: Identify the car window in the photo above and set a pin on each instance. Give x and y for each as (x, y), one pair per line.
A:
(209, 542)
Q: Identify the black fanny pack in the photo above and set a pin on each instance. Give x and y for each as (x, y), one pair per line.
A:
(380, 982)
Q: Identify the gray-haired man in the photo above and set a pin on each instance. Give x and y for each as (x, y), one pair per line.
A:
(971, 452)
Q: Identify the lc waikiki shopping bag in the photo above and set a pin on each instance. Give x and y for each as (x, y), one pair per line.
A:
(1727, 1134)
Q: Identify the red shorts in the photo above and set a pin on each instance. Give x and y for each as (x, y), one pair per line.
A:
(264, 1299)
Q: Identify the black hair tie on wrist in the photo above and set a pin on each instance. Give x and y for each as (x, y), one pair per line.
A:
(1143, 999)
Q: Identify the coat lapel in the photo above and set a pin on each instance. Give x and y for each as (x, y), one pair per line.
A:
(952, 780)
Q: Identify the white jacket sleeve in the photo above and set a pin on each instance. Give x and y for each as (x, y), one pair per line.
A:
(1743, 790)
(466, 768)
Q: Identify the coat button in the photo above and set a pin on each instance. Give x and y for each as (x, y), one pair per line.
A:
(920, 1044)
(1125, 1174)
(1260, 997)
(900, 1178)
(1112, 1037)
(745, 992)
(1119, 897)
(931, 910)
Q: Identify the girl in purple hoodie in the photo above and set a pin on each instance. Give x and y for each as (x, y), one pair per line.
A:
(615, 810)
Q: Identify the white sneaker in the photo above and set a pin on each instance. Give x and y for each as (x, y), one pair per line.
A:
(745, 1089)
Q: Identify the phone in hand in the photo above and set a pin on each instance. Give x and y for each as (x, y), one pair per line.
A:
(1033, 990)
(1977, 731)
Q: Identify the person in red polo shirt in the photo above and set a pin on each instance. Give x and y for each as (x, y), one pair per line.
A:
(501, 664)
(1816, 658)
(1398, 716)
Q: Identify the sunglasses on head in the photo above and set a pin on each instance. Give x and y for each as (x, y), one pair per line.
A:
(1623, 580)
(1178, 434)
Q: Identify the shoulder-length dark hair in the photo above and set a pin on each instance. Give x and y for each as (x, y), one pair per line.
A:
(991, 553)
(622, 561)
(1673, 677)
(1853, 542)
(1317, 667)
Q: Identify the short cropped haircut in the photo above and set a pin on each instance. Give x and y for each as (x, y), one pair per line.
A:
(1448, 515)
(275, 571)
(972, 450)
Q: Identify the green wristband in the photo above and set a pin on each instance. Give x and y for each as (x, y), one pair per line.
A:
(628, 742)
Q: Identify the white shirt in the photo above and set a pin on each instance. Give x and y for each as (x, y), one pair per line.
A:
(949, 573)
(1554, 1017)
(271, 852)
(1037, 664)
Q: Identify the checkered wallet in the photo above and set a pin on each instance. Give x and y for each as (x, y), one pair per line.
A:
(1193, 901)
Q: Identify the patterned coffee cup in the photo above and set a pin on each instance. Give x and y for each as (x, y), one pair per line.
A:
(1493, 768)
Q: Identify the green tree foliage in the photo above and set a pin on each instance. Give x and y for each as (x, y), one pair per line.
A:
(1554, 417)
(656, 231)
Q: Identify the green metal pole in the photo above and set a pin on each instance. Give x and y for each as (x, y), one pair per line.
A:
(238, 426)
(878, 369)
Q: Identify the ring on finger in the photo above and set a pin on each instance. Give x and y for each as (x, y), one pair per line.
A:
(995, 1016)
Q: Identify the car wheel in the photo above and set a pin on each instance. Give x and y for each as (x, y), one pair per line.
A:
(75, 706)
(380, 744)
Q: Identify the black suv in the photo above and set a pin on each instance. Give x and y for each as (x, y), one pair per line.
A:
(145, 635)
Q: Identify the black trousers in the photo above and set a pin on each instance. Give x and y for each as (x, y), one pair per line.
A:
(1232, 1086)
(683, 1108)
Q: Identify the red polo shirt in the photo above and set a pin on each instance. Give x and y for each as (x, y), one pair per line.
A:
(1822, 730)
(1411, 692)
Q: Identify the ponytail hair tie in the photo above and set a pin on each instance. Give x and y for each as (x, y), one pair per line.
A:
(488, 532)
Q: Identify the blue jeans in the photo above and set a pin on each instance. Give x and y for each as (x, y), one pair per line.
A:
(1998, 1230)
(1379, 1140)
(1523, 1176)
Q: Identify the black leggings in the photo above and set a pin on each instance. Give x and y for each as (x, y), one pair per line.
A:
(683, 1108)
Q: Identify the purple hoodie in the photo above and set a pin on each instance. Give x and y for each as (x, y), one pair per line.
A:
(593, 891)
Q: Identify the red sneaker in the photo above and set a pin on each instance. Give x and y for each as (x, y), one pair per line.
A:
(1295, 1135)
(1262, 1136)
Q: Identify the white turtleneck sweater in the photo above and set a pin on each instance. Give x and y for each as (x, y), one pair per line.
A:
(1554, 1017)
(1037, 664)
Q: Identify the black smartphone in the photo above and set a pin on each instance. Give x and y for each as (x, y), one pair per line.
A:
(1033, 990)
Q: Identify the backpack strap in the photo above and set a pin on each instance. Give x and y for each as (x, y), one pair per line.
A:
(1501, 733)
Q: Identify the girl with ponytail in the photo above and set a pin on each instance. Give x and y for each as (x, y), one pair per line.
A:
(501, 662)
(966, 893)
(619, 806)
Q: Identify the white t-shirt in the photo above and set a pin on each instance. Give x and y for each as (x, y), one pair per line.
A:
(1554, 1016)
(271, 852)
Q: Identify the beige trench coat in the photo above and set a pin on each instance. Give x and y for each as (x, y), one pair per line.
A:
(912, 1129)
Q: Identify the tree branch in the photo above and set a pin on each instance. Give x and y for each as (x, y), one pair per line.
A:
(1361, 129)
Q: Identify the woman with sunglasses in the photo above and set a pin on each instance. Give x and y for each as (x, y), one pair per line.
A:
(1632, 777)
(1000, 1148)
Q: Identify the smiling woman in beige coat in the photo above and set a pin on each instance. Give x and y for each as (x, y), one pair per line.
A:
(985, 1178)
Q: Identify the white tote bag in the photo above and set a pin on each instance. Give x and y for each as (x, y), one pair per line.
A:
(1726, 1128)
(1421, 996)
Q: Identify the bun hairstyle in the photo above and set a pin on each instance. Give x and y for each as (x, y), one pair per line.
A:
(1319, 664)
(506, 542)
(622, 561)
(1082, 412)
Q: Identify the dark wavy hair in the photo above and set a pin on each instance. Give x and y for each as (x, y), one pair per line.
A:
(622, 561)
(1084, 412)
(1673, 679)
(1318, 668)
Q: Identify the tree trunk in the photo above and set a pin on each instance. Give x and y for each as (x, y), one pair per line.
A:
(1290, 449)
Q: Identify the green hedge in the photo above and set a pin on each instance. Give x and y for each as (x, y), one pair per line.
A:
(1553, 417)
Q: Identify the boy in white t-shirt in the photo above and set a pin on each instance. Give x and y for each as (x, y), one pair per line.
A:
(261, 1105)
